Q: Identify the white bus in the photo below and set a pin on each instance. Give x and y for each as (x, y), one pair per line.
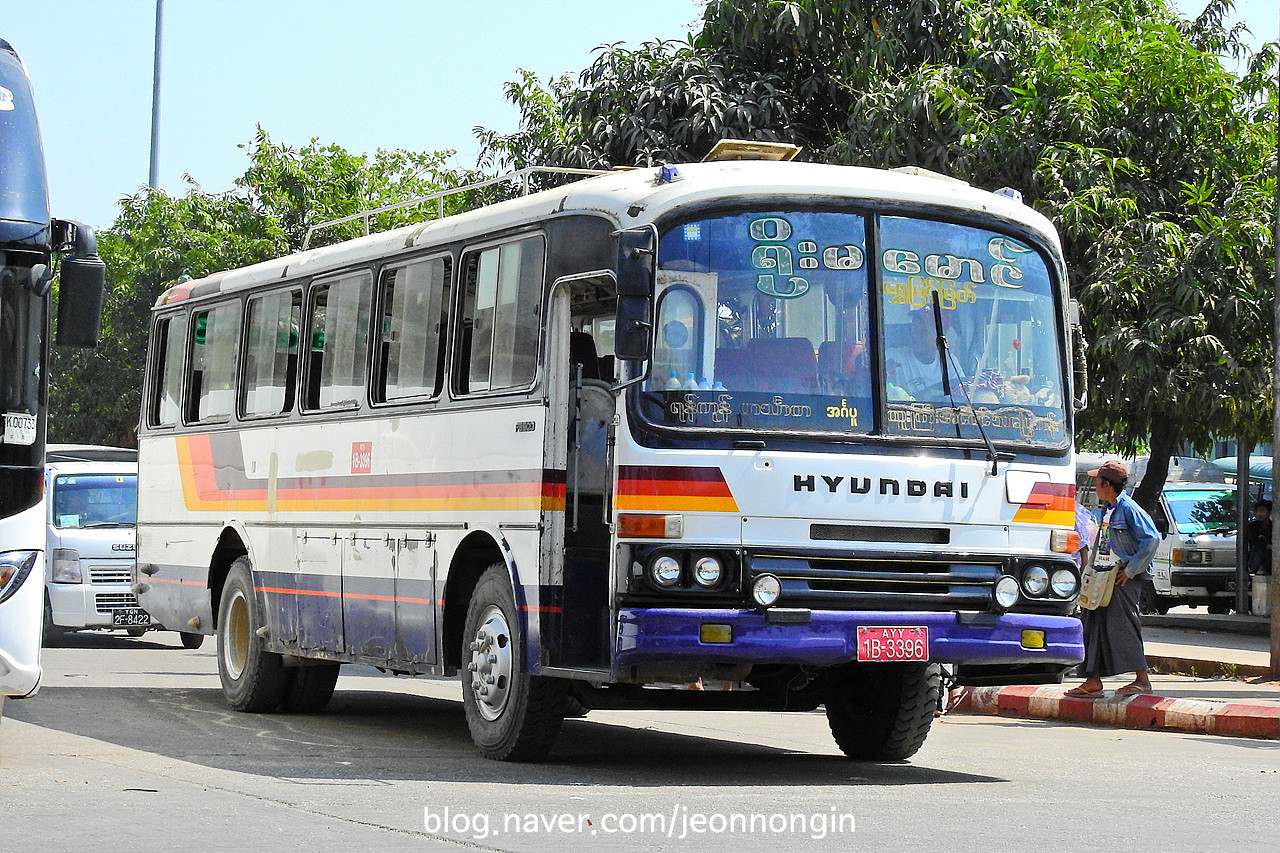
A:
(649, 428)
(30, 241)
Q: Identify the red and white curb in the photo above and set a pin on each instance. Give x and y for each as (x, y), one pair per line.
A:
(1129, 712)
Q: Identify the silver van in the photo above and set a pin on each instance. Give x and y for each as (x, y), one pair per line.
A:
(91, 499)
(1196, 561)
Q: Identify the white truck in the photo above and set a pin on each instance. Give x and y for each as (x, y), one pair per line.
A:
(91, 500)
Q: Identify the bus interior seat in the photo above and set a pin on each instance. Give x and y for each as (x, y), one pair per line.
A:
(781, 364)
(733, 369)
(582, 350)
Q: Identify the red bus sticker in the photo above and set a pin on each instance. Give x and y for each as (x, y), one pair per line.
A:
(361, 457)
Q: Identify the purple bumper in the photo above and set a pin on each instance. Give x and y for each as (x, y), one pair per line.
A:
(830, 637)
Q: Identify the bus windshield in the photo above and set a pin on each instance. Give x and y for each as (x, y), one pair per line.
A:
(95, 500)
(783, 321)
(24, 195)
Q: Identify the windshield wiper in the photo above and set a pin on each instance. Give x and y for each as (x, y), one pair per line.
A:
(108, 524)
(945, 354)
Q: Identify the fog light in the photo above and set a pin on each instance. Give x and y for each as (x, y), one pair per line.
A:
(765, 590)
(1006, 592)
(712, 632)
(707, 571)
(1035, 581)
(665, 570)
(1032, 639)
(1064, 583)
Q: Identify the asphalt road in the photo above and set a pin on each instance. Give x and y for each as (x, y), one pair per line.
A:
(129, 747)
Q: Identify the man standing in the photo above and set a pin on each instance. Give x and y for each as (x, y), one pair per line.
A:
(1113, 634)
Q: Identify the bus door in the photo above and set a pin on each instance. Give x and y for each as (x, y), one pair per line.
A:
(584, 364)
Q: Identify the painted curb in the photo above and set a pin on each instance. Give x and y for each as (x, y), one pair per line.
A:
(1130, 712)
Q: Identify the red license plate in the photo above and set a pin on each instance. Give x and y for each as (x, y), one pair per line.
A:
(891, 643)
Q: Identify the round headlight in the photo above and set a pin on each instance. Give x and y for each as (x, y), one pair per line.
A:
(1006, 592)
(766, 590)
(707, 571)
(1064, 583)
(1035, 581)
(665, 570)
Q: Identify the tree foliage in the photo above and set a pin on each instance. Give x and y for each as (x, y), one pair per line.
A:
(158, 239)
(1113, 117)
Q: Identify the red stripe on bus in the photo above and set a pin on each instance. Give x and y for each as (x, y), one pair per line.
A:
(361, 596)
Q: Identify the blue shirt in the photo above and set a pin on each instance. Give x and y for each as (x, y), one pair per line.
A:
(1132, 536)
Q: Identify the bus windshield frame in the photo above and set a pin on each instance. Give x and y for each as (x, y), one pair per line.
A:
(821, 322)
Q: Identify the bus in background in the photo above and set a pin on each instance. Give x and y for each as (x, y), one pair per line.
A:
(803, 430)
(30, 240)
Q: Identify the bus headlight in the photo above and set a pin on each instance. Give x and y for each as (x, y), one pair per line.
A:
(1064, 583)
(708, 571)
(1006, 592)
(1035, 581)
(66, 566)
(15, 566)
(765, 590)
(665, 571)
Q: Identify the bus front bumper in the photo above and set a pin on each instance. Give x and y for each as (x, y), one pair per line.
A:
(830, 637)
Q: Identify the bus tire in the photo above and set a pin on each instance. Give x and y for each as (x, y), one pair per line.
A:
(190, 639)
(881, 711)
(310, 688)
(253, 679)
(52, 634)
(512, 715)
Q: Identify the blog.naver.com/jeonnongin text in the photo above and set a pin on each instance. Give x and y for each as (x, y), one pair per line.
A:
(679, 822)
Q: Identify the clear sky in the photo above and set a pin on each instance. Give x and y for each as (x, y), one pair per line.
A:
(364, 74)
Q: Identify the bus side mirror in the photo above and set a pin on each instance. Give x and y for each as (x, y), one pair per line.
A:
(633, 331)
(80, 287)
(1079, 358)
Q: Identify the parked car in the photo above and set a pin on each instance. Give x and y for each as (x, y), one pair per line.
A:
(1196, 561)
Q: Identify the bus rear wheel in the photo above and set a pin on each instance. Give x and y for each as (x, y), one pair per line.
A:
(513, 716)
(881, 711)
(310, 688)
(253, 679)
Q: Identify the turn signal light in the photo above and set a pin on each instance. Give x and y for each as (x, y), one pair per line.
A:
(1064, 541)
(640, 526)
(714, 632)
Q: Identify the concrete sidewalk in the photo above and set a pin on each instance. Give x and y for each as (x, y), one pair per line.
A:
(1210, 674)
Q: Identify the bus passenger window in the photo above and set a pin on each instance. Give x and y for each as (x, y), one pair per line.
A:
(166, 356)
(501, 317)
(410, 360)
(339, 342)
(214, 338)
(271, 353)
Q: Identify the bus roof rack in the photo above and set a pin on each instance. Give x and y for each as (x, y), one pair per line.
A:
(523, 175)
(749, 149)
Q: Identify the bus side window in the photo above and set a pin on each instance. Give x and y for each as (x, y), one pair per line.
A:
(410, 351)
(339, 340)
(167, 345)
(271, 353)
(501, 317)
(214, 339)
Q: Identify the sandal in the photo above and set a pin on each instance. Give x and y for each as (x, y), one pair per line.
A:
(1081, 693)
(1134, 690)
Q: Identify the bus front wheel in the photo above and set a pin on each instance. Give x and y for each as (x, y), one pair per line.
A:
(512, 715)
(253, 679)
(881, 711)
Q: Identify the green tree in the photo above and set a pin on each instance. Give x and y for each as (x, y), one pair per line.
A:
(1113, 117)
(159, 239)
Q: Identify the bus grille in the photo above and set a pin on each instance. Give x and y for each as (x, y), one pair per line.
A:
(108, 601)
(111, 574)
(880, 584)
